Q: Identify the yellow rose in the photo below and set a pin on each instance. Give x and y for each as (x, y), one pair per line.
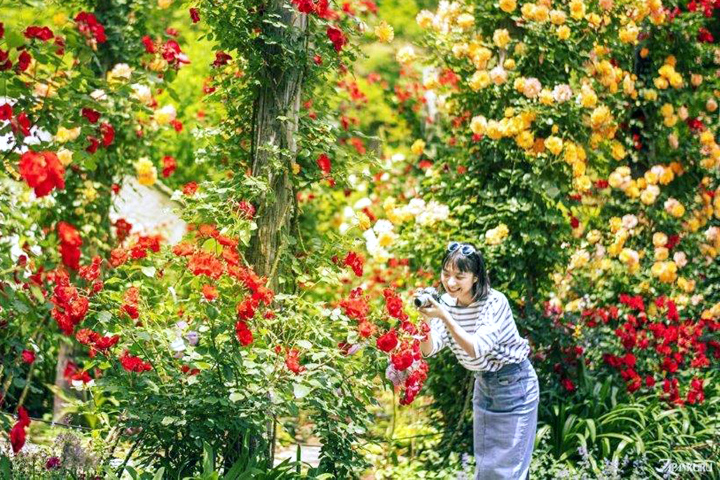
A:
(688, 286)
(501, 37)
(509, 64)
(593, 236)
(600, 116)
(578, 169)
(540, 14)
(508, 6)
(648, 197)
(563, 32)
(418, 147)
(557, 17)
(582, 183)
(465, 21)
(577, 9)
(525, 139)
(146, 172)
(661, 253)
(384, 32)
(478, 125)
(528, 10)
(618, 151)
(494, 130)
(65, 156)
(630, 33)
(406, 54)
(164, 3)
(588, 98)
(546, 98)
(554, 144)
(660, 83)
(676, 80)
(295, 168)
(479, 80)
(425, 19)
(64, 135)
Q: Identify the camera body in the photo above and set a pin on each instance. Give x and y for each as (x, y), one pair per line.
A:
(422, 298)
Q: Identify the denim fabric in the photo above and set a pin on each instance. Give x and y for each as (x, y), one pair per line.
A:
(505, 409)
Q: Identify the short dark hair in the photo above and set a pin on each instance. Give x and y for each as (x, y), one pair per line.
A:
(473, 263)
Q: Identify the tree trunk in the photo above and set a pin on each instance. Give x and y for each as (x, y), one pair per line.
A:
(274, 149)
(274, 146)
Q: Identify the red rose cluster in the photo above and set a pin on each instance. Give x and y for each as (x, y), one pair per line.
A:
(17, 433)
(134, 364)
(659, 341)
(70, 307)
(88, 25)
(42, 171)
(70, 243)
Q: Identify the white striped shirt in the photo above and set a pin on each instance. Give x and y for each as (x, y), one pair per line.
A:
(495, 336)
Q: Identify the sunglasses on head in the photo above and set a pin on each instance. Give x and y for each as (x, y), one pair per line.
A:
(465, 249)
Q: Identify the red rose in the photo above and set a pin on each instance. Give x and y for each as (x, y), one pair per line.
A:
(402, 360)
(92, 115)
(387, 342)
(323, 161)
(194, 15)
(243, 333)
(337, 37)
(355, 261)
(6, 112)
(149, 44)
(209, 292)
(221, 58)
(28, 356)
(42, 171)
(169, 165)
(108, 134)
(41, 33)
(17, 434)
(292, 361)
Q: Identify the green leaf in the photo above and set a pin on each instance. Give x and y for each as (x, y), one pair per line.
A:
(14, 39)
(159, 474)
(300, 390)
(168, 420)
(304, 344)
(148, 271)
(236, 396)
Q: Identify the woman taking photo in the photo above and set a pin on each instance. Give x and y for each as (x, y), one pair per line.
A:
(477, 323)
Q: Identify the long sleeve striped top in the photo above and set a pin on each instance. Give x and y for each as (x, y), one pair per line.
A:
(495, 336)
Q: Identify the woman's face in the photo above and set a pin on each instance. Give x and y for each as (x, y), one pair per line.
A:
(458, 284)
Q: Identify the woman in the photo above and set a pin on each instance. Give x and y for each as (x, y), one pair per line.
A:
(477, 323)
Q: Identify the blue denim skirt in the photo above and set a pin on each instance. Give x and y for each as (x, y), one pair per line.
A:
(505, 410)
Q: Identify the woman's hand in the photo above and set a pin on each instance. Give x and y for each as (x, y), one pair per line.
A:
(434, 310)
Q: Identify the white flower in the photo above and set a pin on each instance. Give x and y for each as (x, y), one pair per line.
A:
(680, 259)
(629, 221)
(178, 345)
(165, 115)
(142, 93)
(415, 207)
(434, 212)
(383, 226)
(121, 70)
(498, 75)
(99, 95)
(532, 87)
(711, 234)
(362, 203)
(562, 93)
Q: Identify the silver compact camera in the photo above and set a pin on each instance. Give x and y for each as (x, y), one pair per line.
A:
(422, 297)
